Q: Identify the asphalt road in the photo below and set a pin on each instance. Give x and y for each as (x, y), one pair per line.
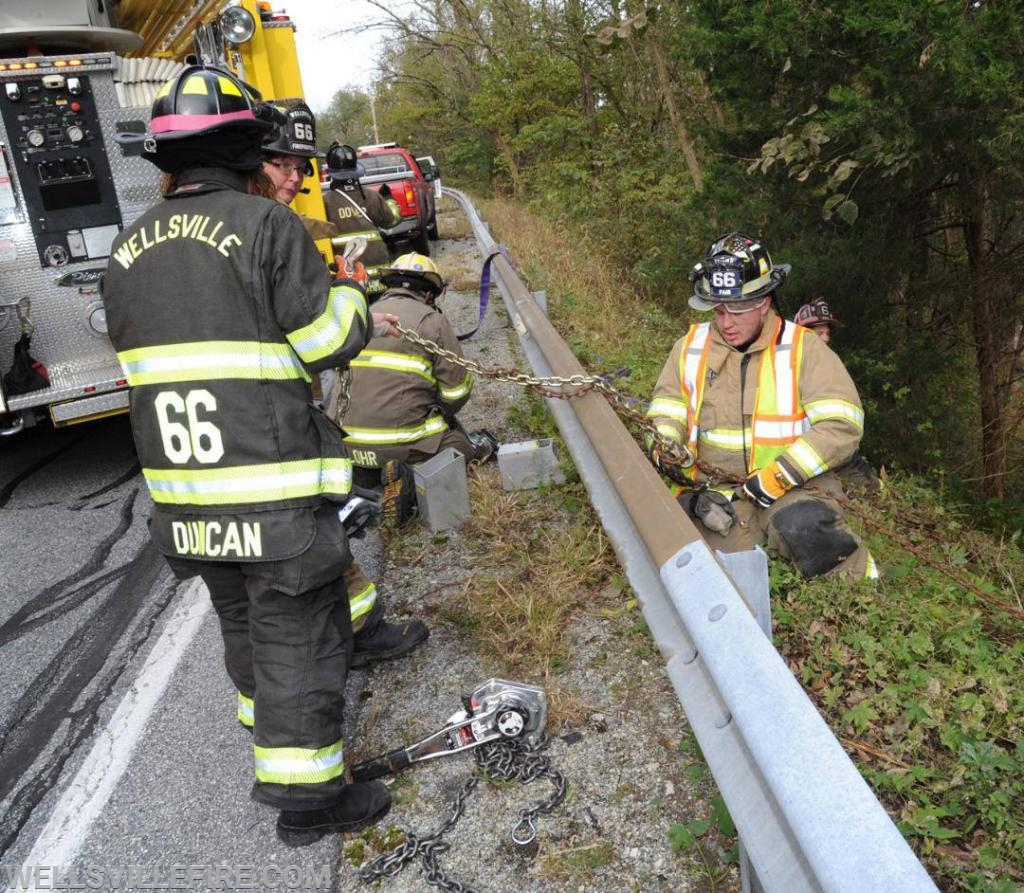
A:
(122, 764)
(120, 755)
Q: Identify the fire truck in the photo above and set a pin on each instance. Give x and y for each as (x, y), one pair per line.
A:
(72, 74)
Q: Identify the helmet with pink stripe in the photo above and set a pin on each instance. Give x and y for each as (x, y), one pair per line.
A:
(199, 100)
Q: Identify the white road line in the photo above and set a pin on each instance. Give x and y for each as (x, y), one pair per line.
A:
(79, 806)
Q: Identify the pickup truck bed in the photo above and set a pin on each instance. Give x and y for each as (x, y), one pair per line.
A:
(410, 186)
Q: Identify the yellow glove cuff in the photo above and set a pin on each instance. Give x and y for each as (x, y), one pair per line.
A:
(775, 480)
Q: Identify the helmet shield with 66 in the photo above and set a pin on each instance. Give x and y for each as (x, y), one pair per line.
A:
(295, 135)
(816, 313)
(736, 268)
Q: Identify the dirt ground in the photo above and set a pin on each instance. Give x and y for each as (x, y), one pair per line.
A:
(618, 735)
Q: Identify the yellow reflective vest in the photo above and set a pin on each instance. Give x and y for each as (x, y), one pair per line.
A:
(788, 397)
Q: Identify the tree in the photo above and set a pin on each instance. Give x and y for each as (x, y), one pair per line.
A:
(875, 143)
(348, 119)
(916, 107)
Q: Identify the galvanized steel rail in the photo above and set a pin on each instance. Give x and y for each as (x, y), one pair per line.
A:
(805, 816)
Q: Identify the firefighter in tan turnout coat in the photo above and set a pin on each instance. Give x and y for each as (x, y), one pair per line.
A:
(768, 407)
(402, 398)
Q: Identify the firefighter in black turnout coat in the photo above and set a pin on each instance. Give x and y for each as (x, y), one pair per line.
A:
(220, 309)
(358, 213)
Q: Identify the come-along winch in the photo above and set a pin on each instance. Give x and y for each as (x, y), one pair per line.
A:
(494, 710)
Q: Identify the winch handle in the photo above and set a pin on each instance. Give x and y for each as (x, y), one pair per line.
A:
(378, 767)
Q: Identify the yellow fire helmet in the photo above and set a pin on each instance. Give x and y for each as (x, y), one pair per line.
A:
(413, 271)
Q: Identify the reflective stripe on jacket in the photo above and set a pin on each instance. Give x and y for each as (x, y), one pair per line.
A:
(787, 397)
(399, 391)
(220, 308)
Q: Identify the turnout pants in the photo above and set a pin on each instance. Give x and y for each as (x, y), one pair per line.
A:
(805, 526)
(287, 648)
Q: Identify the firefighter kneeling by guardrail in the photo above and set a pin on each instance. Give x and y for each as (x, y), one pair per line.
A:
(763, 409)
(402, 398)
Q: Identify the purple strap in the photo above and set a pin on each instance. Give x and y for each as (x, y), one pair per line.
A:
(485, 287)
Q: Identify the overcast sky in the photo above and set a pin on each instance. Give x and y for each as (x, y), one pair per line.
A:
(330, 63)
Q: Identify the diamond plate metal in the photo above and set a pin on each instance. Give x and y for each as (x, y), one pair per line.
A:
(76, 357)
(89, 408)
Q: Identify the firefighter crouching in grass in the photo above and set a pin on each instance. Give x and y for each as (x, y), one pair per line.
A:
(287, 161)
(765, 402)
(219, 307)
(403, 399)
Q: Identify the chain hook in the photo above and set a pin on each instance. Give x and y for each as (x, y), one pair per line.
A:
(522, 839)
(503, 759)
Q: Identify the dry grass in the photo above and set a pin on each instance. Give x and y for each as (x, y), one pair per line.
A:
(578, 862)
(551, 258)
(606, 323)
(544, 566)
(542, 555)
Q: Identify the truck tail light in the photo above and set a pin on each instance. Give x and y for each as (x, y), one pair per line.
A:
(410, 197)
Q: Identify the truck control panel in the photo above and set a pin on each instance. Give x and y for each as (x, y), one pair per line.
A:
(60, 157)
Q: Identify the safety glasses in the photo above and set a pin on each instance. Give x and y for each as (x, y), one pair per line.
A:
(289, 169)
(739, 307)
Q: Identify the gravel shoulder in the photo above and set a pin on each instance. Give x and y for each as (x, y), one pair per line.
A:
(617, 730)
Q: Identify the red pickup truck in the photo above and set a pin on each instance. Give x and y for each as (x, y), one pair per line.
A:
(411, 182)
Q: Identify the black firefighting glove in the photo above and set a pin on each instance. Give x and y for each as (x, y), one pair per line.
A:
(713, 509)
(360, 510)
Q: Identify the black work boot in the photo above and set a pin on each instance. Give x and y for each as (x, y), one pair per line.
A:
(380, 640)
(397, 493)
(485, 446)
(358, 806)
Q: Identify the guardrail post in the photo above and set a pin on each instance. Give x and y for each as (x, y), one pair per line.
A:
(749, 571)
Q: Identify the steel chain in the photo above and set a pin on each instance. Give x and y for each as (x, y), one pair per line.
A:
(556, 387)
(503, 760)
(670, 452)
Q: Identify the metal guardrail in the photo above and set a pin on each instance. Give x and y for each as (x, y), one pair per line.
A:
(806, 818)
